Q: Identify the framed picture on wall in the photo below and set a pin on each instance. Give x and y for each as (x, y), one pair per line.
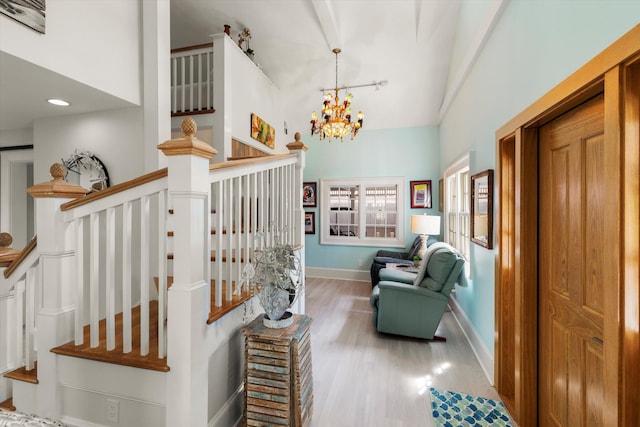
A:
(309, 223)
(420, 194)
(309, 192)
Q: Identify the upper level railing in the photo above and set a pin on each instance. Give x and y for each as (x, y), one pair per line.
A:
(192, 80)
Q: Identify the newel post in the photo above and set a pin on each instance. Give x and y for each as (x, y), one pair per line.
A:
(57, 253)
(190, 295)
(300, 149)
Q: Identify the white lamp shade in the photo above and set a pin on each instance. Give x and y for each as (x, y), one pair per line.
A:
(425, 224)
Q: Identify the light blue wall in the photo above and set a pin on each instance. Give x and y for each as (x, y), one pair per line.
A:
(534, 46)
(409, 152)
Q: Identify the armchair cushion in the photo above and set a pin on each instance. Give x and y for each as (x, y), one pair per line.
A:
(434, 266)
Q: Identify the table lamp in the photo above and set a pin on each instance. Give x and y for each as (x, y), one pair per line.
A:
(425, 225)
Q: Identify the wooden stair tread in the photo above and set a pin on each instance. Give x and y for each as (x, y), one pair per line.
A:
(134, 359)
(21, 374)
(7, 405)
(216, 313)
(115, 356)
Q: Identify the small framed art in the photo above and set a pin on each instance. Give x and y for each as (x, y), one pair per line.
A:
(309, 192)
(309, 223)
(421, 194)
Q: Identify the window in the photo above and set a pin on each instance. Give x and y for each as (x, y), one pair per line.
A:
(458, 206)
(362, 212)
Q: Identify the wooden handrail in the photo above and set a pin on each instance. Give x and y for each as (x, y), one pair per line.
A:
(118, 188)
(23, 254)
(248, 161)
(194, 47)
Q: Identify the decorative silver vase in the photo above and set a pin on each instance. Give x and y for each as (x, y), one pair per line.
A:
(277, 279)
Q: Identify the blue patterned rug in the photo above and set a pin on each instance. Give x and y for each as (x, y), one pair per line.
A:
(451, 409)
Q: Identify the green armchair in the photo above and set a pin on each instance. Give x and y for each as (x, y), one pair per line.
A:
(412, 304)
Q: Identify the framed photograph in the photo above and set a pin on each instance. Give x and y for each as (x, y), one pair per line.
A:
(309, 191)
(482, 208)
(420, 194)
(309, 223)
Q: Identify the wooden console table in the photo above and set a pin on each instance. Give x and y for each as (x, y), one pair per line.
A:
(278, 383)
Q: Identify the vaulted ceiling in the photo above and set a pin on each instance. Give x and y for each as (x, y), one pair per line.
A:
(405, 43)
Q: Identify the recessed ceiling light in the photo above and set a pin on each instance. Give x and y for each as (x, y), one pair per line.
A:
(59, 102)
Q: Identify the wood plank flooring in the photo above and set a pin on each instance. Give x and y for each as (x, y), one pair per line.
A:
(364, 378)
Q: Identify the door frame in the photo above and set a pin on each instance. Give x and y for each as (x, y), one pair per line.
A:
(614, 72)
(10, 158)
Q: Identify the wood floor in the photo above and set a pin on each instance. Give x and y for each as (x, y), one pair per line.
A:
(363, 378)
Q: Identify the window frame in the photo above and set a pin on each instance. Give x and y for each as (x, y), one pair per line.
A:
(455, 204)
(399, 240)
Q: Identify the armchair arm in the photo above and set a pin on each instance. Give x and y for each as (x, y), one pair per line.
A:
(394, 275)
(409, 291)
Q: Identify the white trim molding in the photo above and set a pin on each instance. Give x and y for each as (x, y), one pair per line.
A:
(484, 357)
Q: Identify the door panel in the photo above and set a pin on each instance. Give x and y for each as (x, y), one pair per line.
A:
(572, 217)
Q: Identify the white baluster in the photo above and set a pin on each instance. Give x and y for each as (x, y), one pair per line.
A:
(145, 277)
(174, 84)
(162, 271)
(200, 82)
(219, 197)
(94, 279)
(182, 84)
(228, 237)
(237, 203)
(19, 290)
(127, 221)
(30, 318)
(192, 82)
(79, 314)
(110, 293)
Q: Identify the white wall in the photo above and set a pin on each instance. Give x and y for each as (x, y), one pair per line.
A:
(241, 88)
(95, 42)
(114, 136)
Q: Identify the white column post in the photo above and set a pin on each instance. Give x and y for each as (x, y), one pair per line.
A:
(57, 287)
(157, 76)
(299, 148)
(190, 295)
(222, 95)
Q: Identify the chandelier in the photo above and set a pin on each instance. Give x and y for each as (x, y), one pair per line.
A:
(336, 118)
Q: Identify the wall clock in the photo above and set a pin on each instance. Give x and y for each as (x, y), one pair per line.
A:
(86, 170)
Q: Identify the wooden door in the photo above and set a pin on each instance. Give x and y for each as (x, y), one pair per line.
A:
(571, 263)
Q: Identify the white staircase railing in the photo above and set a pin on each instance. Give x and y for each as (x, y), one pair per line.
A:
(253, 196)
(192, 79)
(120, 243)
(99, 256)
(19, 293)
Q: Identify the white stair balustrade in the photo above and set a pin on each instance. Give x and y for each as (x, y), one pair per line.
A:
(192, 80)
(120, 240)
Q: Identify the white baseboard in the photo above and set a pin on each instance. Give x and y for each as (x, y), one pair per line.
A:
(340, 274)
(484, 357)
(222, 418)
